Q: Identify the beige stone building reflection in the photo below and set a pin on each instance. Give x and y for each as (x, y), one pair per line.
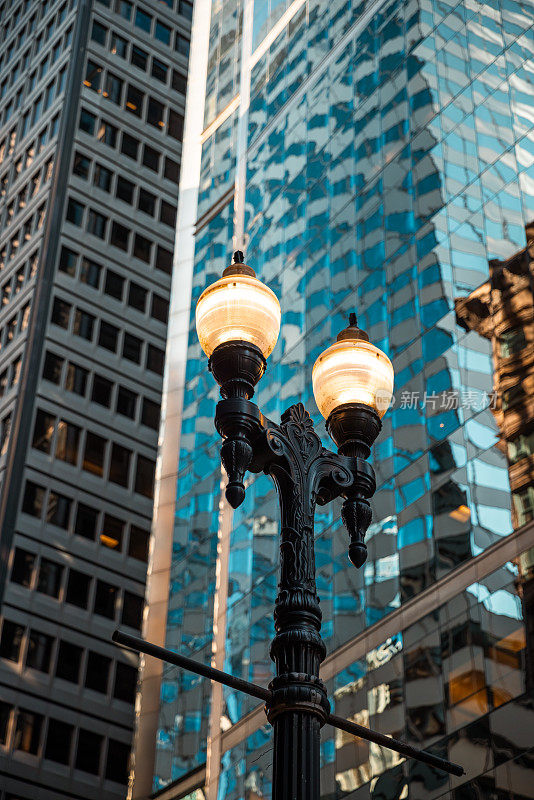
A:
(502, 310)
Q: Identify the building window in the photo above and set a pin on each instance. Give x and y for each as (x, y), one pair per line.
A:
(67, 261)
(126, 402)
(58, 510)
(185, 8)
(521, 447)
(89, 751)
(132, 610)
(125, 682)
(86, 519)
(39, 652)
(28, 732)
(67, 442)
(90, 273)
(511, 342)
(76, 379)
(112, 532)
(159, 70)
(93, 76)
(150, 414)
(43, 431)
(164, 260)
(11, 640)
(151, 158)
(124, 9)
(102, 178)
(87, 122)
(60, 313)
(97, 672)
(524, 504)
(33, 501)
(142, 248)
(139, 58)
(114, 285)
(96, 224)
(125, 189)
(146, 202)
(107, 134)
(83, 324)
(117, 762)
(167, 214)
(52, 368)
(120, 236)
(134, 100)
(176, 125)
(119, 46)
(101, 392)
(131, 348)
(159, 309)
(59, 741)
(75, 212)
(171, 170)
(81, 166)
(513, 396)
(50, 577)
(129, 146)
(105, 600)
(162, 32)
(155, 360)
(181, 45)
(69, 661)
(143, 20)
(119, 468)
(108, 336)
(22, 569)
(113, 88)
(179, 82)
(144, 476)
(137, 297)
(78, 586)
(155, 113)
(94, 454)
(99, 33)
(138, 543)
(5, 719)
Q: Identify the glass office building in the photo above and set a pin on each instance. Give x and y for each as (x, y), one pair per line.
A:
(374, 156)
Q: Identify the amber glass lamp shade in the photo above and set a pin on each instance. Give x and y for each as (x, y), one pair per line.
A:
(238, 307)
(352, 371)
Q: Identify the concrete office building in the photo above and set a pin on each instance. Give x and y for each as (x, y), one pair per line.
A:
(91, 116)
(375, 155)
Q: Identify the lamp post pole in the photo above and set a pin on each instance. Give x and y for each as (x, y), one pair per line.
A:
(238, 320)
(304, 474)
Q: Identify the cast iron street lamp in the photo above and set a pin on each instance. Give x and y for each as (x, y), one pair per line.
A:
(238, 321)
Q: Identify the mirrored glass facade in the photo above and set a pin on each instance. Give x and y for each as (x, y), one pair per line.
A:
(374, 156)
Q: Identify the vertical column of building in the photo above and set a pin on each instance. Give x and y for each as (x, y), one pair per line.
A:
(80, 505)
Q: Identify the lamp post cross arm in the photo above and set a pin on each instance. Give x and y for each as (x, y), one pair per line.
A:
(261, 693)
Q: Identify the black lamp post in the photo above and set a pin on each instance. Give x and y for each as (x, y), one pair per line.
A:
(238, 320)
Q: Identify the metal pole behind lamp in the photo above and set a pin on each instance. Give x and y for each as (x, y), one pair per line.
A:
(238, 321)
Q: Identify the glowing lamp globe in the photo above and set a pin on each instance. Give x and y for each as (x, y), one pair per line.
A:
(353, 386)
(238, 307)
(238, 321)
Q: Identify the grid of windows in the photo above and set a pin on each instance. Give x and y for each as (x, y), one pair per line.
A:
(64, 440)
(85, 521)
(58, 741)
(83, 324)
(73, 587)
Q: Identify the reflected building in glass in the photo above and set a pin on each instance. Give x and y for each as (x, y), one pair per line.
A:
(377, 156)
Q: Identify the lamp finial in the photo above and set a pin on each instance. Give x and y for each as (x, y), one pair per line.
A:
(239, 258)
